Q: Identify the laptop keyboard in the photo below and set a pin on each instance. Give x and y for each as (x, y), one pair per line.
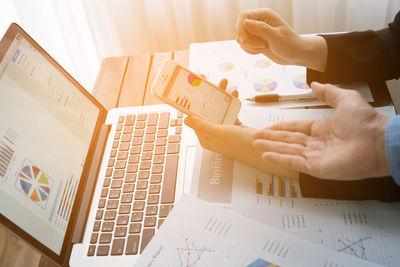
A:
(139, 186)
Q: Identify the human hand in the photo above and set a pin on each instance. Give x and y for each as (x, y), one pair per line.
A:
(234, 141)
(348, 146)
(264, 31)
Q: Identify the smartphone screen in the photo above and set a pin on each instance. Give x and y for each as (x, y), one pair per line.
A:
(195, 95)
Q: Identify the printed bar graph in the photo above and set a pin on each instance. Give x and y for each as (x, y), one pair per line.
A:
(277, 186)
(66, 202)
(6, 154)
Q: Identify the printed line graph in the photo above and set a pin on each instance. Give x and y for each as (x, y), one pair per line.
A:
(356, 248)
(190, 255)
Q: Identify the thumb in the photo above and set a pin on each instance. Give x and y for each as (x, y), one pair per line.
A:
(328, 93)
(259, 28)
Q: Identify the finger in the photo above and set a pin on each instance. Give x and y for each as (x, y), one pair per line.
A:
(303, 126)
(223, 84)
(251, 50)
(202, 127)
(259, 28)
(297, 163)
(282, 136)
(328, 93)
(263, 145)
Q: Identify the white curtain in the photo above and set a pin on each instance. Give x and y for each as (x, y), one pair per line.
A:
(80, 33)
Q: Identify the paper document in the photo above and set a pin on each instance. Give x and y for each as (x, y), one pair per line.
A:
(254, 74)
(367, 230)
(197, 233)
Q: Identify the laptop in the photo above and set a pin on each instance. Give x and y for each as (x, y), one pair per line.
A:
(80, 184)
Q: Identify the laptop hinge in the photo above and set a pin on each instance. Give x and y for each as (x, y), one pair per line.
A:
(89, 188)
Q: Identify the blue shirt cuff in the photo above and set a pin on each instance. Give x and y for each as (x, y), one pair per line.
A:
(392, 143)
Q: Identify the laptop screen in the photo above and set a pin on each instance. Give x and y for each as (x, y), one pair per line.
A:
(46, 126)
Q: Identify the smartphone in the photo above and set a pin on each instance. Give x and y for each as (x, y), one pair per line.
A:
(195, 96)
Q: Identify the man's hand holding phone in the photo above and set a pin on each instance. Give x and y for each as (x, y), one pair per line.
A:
(235, 141)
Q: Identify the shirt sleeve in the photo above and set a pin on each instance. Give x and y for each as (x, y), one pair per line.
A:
(392, 145)
(361, 56)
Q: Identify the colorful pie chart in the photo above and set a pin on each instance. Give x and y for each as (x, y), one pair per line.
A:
(193, 80)
(300, 82)
(262, 63)
(226, 66)
(265, 85)
(35, 184)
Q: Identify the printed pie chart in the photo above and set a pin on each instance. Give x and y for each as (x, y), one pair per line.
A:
(226, 66)
(262, 63)
(34, 183)
(265, 85)
(300, 82)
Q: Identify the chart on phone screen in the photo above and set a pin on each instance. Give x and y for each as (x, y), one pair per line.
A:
(193, 94)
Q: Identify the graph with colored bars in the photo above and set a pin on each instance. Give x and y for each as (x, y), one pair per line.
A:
(261, 263)
(191, 254)
(183, 102)
(277, 186)
(66, 202)
(6, 154)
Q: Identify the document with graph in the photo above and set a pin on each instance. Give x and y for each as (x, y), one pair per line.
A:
(253, 74)
(367, 230)
(198, 233)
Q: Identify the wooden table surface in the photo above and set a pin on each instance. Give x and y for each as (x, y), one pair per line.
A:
(122, 82)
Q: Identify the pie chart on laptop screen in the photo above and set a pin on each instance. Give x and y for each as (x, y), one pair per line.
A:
(35, 184)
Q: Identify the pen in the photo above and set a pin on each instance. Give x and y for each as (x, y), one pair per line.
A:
(270, 98)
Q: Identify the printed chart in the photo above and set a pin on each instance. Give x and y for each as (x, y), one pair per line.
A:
(261, 263)
(226, 66)
(265, 85)
(34, 184)
(300, 82)
(277, 186)
(6, 155)
(191, 254)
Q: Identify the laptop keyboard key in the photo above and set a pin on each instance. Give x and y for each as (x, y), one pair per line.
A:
(121, 119)
(141, 185)
(171, 168)
(153, 199)
(164, 120)
(143, 175)
(120, 231)
(109, 172)
(107, 227)
(137, 216)
(154, 189)
(160, 222)
(132, 168)
(130, 178)
(112, 204)
(165, 210)
(130, 119)
(119, 174)
(99, 214)
(91, 250)
(107, 181)
(140, 195)
(105, 238)
(93, 238)
(126, 198)
(124, 146)
(132, 245)
(153, 117)
(114, 193)
(128, 188)
(102, 203)
(151, 130)
(151, 210)
(103, 250)
(138, 205)
(150, 221)
(135, 150)
(96, 226)
(125, 209)
(146, 237)
(157, 168)
(117, 247)
(116, 184)
(135, 228)
(123, 220)
(173, 148)
(155, 179)
(110, 215)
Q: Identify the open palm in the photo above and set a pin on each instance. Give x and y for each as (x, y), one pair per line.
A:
(349, 145)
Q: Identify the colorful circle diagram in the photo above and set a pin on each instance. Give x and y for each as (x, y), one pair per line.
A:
(262, 63)
(226, 66)
(35, 184)
(300, 82)
(193, 80)
(265, 85)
